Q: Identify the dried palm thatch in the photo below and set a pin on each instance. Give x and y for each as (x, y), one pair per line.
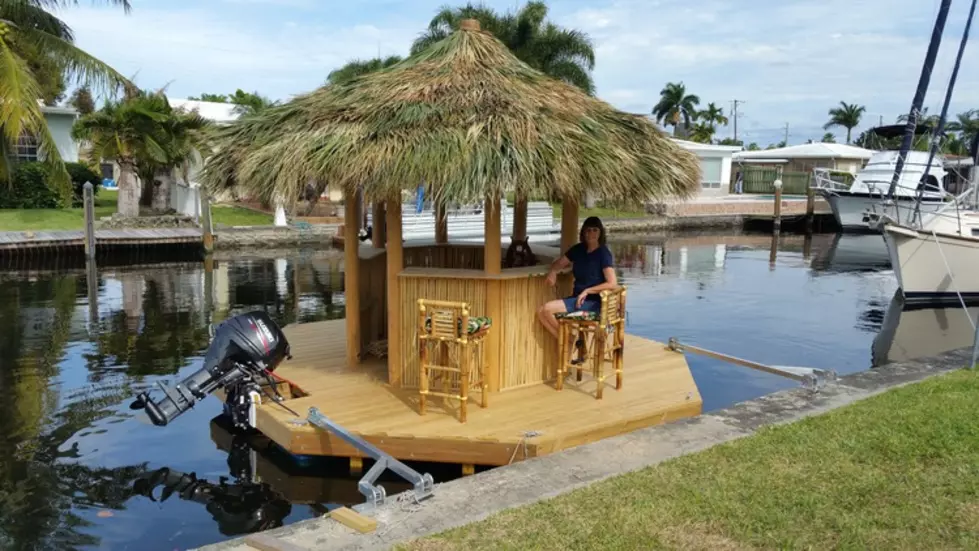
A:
(466, 118)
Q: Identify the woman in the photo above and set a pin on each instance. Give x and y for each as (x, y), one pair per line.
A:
(594, 271)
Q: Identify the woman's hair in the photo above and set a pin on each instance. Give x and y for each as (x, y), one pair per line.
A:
(592, 222)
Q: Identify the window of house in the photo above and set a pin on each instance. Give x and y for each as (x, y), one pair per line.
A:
(711, 173)
(26, 149)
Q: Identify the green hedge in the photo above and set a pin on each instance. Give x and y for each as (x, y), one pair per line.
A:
(79, 175)
(30, 189)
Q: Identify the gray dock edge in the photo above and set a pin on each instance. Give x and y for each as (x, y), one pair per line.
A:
(473, 498)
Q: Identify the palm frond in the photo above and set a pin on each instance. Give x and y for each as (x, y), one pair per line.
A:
(20, 112)
(78, 64)
(466, 117)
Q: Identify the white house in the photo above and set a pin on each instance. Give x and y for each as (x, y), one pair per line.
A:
(715, 165)
(59, 121)
(805, 157)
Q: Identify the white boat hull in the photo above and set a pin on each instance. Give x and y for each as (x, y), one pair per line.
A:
(851, 210)
(933, 267)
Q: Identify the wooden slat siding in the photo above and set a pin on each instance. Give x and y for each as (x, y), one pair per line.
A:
(658, 388)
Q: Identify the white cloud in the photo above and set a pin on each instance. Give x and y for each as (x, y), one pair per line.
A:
(791, 60)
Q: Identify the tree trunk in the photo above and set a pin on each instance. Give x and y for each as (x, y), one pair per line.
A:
(161, 191)
(129, 191)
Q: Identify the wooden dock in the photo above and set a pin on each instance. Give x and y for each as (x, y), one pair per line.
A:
(66, 240)
(520, 423)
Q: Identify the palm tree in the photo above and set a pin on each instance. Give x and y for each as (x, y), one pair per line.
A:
(356, 68)
(702, 132)
(144, 135)
(966, 124)
(675, 104)
(713, 116)
(250, 103)
(847, 115)
(828, 138)
(564, 54)
(27, 25)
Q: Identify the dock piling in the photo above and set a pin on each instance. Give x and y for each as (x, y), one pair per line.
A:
(810, 209)
(206, 227)
(88, 196)
(777, 217)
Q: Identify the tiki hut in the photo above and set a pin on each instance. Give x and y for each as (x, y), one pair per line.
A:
(469, 122)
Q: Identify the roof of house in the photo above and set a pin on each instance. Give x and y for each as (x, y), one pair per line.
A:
(217, 112)
(59, 110)
(817, 150)
(694, 146)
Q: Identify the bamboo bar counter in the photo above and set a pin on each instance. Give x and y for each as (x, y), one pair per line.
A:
(465, 122)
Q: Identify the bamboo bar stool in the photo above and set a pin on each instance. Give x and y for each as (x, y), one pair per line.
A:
(447, 327)
(606, 333)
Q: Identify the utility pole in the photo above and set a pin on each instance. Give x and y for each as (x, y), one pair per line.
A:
(786, 133)
(734, 114)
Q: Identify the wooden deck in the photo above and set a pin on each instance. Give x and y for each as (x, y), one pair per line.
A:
(525, 422)
(40, 240)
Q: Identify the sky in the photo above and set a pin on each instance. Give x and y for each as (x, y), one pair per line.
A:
(787, 62)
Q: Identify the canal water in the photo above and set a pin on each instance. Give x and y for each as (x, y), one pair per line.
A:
(80, 470)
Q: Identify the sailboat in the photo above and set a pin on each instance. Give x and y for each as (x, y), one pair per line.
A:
(935, 256)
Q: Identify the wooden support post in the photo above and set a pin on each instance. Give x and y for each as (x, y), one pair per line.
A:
(441, 224)
(395, 263)
(810, 209)
(493, 264)
(468, 469)
(520, 217)
(569, 235)
(206, 226)
(88, 195)
(380, 223)
(351, 276)
(777, 217)
(356, 465)
(569, 223)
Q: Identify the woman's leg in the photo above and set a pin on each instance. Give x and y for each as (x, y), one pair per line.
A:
(546, 315)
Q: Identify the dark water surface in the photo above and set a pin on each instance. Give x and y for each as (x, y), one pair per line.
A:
(71, 451)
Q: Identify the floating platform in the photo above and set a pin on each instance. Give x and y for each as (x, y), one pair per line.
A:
(17, 241)
(520, 423)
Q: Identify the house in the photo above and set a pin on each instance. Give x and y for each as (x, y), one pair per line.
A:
(715, 166)
(805, 157)
(59, 122)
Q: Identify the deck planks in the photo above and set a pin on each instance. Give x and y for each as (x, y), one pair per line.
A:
(658, 387)
(25, 240)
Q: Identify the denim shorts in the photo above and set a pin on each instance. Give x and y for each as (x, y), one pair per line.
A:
(589, 305)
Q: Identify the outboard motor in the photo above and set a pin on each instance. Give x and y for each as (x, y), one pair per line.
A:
(245, 350)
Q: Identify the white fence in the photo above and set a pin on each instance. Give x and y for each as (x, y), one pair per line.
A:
(185, 200)
(470, 222)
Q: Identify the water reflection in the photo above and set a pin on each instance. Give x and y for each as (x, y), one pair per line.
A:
(78, 470)
(911, 332)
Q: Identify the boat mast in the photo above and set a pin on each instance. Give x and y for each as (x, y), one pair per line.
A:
(919, 94)
(940, 128)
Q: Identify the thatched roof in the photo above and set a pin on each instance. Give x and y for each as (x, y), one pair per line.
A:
(467, 118)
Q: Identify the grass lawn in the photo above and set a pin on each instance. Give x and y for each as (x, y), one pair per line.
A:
(896, 471)
(105, 205)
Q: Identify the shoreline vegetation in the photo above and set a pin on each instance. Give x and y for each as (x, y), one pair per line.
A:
(899, 470)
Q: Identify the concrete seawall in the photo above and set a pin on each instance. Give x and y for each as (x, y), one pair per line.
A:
(476, 497)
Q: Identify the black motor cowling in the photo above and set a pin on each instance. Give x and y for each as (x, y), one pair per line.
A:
(244, 350)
